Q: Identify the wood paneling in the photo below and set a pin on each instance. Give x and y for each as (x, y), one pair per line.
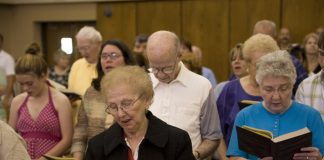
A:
(205, 24)
(158, 15)
(302, 17)
(245, 13)
(120, 25)
(214, 25)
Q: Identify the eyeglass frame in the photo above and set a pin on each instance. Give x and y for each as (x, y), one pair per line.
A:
(113, 56)
(155, 70)
(120, 106)
(269, 90)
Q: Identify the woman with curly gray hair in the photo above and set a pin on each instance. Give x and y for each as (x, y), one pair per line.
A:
(278, 113)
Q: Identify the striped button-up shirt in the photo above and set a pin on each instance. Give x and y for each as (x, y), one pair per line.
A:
(311, 92)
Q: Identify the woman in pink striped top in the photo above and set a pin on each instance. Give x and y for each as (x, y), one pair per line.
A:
(41, 115)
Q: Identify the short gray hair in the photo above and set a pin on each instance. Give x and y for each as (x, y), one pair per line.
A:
(89, 33)
(277, 63)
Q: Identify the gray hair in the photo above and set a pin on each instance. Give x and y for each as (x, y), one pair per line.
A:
(134, 76)
(277, 63)
(90, 33)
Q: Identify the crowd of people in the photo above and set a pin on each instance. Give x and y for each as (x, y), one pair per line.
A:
(158, 101)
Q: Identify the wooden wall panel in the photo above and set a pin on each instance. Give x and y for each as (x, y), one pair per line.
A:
(120, 25)
(205, 24)
(245, 13)
(158, 15)
(302, 17)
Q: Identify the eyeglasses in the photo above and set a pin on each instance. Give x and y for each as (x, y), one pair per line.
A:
(83, 48)
(165, 70)
(125, 105)
(113, 56)
(282, 89)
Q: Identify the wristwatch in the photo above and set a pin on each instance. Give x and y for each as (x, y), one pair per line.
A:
(198, 155)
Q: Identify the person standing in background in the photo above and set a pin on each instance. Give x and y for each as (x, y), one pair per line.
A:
(7, 63)
(61, 69)
(140, 43)
(84, 70)
(311, 91)
(284, 38)
(268, 27)
(187, 47)
(206, 72)
(310, 60)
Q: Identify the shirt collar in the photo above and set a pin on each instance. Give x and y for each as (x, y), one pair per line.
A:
(155, 134)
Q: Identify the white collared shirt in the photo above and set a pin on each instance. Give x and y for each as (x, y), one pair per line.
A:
(187, 103)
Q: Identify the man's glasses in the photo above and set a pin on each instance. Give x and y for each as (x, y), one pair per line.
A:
(165, 70)
(112, 56)
(125, 105)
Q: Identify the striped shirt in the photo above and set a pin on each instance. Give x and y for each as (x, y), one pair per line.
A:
(311, 92)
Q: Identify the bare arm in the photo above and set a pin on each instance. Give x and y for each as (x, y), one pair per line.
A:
(16, 102)
(63, 107)
(9, 93)
(221, 150)
(206, 148)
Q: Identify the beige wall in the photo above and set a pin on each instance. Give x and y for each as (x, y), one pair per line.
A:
(20, 23)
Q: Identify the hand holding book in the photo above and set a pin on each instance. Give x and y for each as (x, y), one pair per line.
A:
(261, 143)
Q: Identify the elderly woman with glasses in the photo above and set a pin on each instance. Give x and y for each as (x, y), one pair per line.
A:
(278, 113)
(137, 133)
(92, 118)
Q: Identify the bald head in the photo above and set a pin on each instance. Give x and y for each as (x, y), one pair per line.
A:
(162, 51)
(163, 43)
(265, 27)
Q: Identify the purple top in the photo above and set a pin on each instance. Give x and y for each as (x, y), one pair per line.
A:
(227, 105)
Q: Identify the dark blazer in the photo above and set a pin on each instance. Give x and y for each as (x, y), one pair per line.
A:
(161, 142)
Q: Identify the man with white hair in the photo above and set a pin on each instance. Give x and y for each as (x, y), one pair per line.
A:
(182, 98)
(84, 70)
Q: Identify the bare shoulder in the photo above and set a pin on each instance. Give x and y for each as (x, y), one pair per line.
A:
(18, 100)
(59, 99)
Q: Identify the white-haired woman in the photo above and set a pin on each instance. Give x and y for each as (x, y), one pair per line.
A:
(278, 113)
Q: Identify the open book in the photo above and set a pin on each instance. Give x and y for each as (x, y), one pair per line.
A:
(48, 157)
(262, 144)
(244, 103)
(70, 94)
